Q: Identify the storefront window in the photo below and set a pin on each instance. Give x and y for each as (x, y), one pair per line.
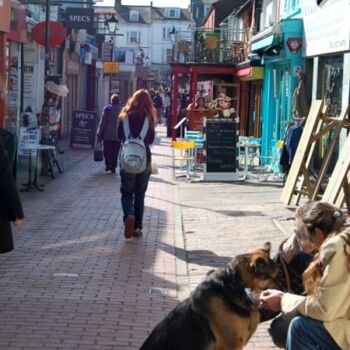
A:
(330, 83)
(12, 82)
(330, 80)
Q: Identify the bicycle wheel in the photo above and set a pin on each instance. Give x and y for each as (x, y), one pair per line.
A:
(58, 157)
(48, 162)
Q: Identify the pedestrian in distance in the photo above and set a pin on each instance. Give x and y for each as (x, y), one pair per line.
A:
(10, 204)
(158, 105)
(108, 133)
(133, 186)
(321, 318)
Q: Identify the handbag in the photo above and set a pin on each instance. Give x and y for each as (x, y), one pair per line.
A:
(98, 152)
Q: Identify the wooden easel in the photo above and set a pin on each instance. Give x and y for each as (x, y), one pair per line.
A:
(299, 181)
(338, 188)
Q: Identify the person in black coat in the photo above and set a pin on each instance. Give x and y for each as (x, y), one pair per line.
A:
(107, 132)
(10, 204)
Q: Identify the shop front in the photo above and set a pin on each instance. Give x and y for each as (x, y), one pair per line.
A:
(12, 37)
(330, 52)
(251, 74)
(280, 49)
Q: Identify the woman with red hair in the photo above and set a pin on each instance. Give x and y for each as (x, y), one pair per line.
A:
(134, 186)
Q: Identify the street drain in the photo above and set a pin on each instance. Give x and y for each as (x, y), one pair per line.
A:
(156, 291)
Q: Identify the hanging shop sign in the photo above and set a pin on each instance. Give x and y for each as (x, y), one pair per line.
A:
(57, 33)
(80, 19)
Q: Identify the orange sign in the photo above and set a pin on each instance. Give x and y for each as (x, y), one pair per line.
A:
(110, 67)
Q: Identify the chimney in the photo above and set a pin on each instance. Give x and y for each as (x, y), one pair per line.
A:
(118, 4)
(151, 4)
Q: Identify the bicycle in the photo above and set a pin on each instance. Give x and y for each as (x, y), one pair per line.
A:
(53, 157)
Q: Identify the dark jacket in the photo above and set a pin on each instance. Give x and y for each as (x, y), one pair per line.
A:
(136, 124)
(107, 129)
(10, 204)
(157, 101)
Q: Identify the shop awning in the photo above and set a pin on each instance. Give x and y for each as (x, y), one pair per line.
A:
(271, 40)
(251, 73)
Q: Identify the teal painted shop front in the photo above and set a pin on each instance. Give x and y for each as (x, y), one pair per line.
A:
(282, 60)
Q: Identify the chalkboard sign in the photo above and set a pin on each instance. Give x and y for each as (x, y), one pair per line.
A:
(83, 128)
(221, 140)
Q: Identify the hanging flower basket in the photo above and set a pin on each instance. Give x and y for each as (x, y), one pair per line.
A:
(211, 42)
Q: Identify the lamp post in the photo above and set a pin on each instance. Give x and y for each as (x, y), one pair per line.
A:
(111, 23)
(172, 35)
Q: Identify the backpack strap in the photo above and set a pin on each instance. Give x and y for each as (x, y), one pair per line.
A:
(126, 128)
(143, 131)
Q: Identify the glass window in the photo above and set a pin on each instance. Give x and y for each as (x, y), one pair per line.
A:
(330, 78)
(134, 16)
(134, 37)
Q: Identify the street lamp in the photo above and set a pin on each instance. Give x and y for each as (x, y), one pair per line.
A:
(111, 23)
(172, 35)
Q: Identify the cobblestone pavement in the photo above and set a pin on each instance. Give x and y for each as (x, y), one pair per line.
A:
(73, 282)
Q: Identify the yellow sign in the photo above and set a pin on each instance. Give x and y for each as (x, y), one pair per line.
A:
(110, 67)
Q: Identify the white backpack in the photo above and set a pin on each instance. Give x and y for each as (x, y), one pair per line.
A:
(133, 155)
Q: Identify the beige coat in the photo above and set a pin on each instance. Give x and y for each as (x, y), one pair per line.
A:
(332, 304)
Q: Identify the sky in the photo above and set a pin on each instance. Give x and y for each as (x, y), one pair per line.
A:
(157, 3)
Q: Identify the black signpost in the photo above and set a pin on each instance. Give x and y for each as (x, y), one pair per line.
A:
(83, 130)
(221, 148)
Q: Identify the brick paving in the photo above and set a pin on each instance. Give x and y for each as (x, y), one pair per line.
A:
(73, 282)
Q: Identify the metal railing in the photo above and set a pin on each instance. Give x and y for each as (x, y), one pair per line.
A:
(203, 46)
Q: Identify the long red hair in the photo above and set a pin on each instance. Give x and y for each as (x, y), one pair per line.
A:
(139, 103)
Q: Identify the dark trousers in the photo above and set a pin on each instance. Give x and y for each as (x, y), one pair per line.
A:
(110, 153)
(6, 240)
(133, 189)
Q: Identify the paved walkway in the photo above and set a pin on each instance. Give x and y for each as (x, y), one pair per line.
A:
(73, 282)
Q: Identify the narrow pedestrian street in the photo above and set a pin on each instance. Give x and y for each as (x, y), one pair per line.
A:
(73, 282)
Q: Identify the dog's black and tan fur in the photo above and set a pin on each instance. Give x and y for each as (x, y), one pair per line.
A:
(220, 314)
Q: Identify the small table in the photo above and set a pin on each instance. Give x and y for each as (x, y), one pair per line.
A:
(247, 146)
(32, 184)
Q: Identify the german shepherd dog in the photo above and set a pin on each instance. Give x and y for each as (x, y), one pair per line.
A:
(222, 312)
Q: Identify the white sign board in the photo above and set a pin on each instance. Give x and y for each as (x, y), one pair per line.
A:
(327, 29)
(27, 136)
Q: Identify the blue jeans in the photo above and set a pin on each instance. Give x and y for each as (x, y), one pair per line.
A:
(133, 189)
(307, 334)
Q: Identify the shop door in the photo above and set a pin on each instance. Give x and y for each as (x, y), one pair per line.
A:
(254, 118)
(280, 82)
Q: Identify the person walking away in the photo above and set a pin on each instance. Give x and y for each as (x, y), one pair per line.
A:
(10, 204)
(320, 319)
(158, 105)
(133, 186)
(108, 133)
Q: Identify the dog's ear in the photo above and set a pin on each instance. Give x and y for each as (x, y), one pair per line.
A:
(267, 248)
